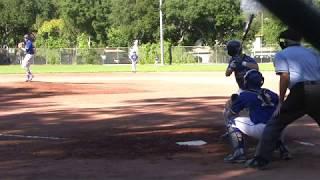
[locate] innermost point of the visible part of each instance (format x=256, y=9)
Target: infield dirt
x=125, y=126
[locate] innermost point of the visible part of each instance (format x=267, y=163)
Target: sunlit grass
x=16, y=69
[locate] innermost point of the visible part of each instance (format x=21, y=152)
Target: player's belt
x=311, y=82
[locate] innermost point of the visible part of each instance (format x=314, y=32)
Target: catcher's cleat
x=257, y=163
x=236, y=157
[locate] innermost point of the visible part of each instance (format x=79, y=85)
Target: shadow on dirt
x=147, y=128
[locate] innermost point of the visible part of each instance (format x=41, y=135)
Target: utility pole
x=161, y=35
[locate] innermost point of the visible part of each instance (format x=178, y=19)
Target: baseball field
x=126, y=126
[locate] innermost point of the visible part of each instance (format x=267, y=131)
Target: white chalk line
x=32, y=137
x=305, y=143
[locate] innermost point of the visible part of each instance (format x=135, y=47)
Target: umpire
x=299, y=71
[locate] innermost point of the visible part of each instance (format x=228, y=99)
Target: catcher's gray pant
x=302, y=99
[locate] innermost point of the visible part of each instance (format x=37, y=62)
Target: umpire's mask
x=288, y=38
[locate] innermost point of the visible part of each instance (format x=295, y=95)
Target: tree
x=87, y=16
x=134, y=19
x=50, y=34
x=118, y=36
x=46, y=10
x=209, y=20
x=17, y=18
x=271, y=28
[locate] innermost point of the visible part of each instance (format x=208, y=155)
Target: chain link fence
x=68, y=56
x=265, y=54
x=199, y=54
x=179, y=55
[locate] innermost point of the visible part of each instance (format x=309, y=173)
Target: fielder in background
x=239, y=63
x=26, y=62
x=299, y=71
x=134, y=60
x=261, y=104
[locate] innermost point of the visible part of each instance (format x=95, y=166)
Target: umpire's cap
x=288, y=38
x=291, y=35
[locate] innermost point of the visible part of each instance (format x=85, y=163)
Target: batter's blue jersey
x=240, y=70
x=260, y=111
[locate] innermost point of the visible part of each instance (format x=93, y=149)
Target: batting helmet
x=288, y=38
x=234, y=47
x=253, y=79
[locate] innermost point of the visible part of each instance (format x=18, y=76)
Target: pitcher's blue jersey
x=260, y=111
x=240, y=70
x=29, y=47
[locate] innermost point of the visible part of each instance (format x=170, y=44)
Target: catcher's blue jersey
x=260, y=108
x=240, y=70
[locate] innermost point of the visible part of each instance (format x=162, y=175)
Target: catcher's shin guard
x=237, y=143
x=235, y=137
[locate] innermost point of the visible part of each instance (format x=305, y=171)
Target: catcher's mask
x=289, y=38
x=234, y=47
x=253, y=79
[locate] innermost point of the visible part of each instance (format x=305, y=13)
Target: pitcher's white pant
x=27, y=61
x=133, y=66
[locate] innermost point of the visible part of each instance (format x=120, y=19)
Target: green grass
x=16, y=69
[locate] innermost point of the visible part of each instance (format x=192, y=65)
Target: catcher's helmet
x=253, y=79
x=288, y=38
x=234, y=47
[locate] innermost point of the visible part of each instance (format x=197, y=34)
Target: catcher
x=261, y=104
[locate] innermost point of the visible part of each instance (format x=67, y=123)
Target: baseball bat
x=247, y=27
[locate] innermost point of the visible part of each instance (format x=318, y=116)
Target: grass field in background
x=16, y=69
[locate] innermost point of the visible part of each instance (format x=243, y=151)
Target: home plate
x=192, y=143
